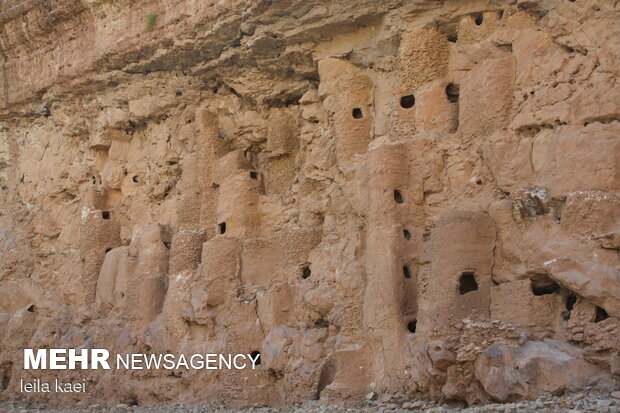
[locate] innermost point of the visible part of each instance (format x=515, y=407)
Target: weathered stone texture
x=387, y=199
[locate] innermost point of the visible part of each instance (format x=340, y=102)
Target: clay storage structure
x=389, y=200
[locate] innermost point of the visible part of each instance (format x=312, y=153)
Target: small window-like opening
x=571, y=300
x=108, y=250
x=411, y=326
x=357, y=113
x=479, y=19
x=479, y=182
x=406, y=272
x=452, y=38
x=452, y=92
x=253, y=175
x=306, y=272
x=601, y=315
x=30, y=308
x=167, y=244
x=255, y=354
x=467, y=283
x=171, y=162
x=406, y=234
x=135, y=179
x=407, y=101
x=221, y=227
x=398, y=197
x=106, y=214
x=178, y=93
x=543, y=285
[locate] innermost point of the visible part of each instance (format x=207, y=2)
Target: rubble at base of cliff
x=581, y=402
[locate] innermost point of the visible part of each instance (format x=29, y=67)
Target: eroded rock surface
x=389, y=200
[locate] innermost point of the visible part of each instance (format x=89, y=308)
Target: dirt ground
x=574, y=403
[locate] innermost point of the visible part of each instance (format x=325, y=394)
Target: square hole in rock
x=467, y=283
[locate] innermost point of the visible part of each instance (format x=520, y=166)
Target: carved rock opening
x=398, y=197
x=467, y=283
x=407, y=101
x=412, y=326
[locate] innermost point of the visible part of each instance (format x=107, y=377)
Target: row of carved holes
x=543, y=285
x=398, y=198
x=408, y=101
x=467, y=284
x=571, y=300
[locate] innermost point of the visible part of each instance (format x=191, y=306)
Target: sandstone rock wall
x=386, y=199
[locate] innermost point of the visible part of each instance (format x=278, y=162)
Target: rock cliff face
x=387, y=199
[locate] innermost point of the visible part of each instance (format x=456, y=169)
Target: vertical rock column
x=211, y=145
x=383, y=301
x=185, y=258
x=237, y=204
x=148, y=284
x=421, y=103
x=348, y=94
x=99, y=233
x=461, y=264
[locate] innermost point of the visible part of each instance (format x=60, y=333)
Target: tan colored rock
x=422, y=58
x=387, y=200
x=485, y=97
x=508, y=372
x=597, y=163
